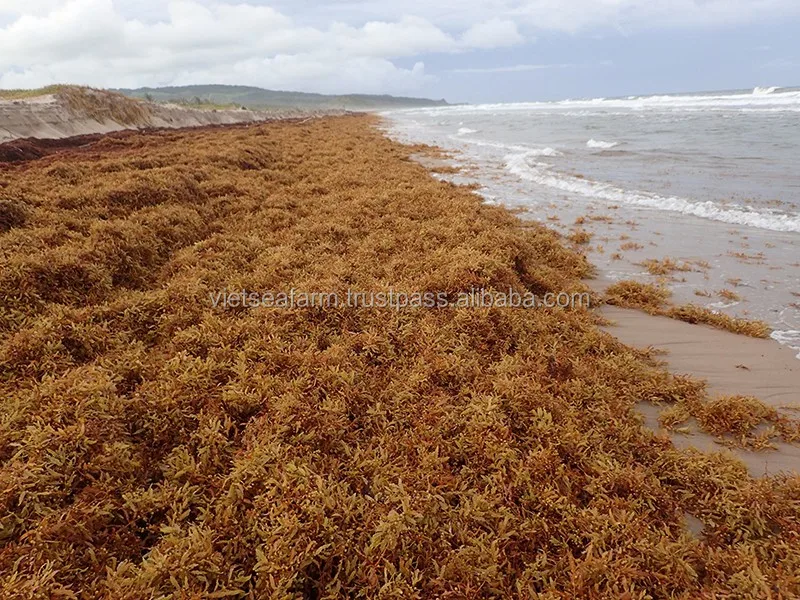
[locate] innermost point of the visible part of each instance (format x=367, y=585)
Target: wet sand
x=730, y=364
x=735, y=270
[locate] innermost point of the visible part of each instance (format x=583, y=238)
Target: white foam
x=601, y=144
x=466, y=131
x=543, y=174
x=760, y=99
x=526, y=150
x=543, y=152
x=760, y=91
x=789, y=338
x=498, y=145
x=717, y=306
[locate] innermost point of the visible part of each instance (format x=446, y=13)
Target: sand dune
x=53, y=116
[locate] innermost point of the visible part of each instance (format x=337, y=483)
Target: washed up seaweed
x=156, y=446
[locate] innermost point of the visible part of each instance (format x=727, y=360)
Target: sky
x=463, y=51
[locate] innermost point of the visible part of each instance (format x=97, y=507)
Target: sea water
x=710, y=177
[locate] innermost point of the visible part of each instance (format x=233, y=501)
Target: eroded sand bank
x=49, y=117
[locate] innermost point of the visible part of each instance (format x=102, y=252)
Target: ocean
x=711, y=179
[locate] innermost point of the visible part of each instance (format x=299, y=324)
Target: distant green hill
x=254, y=97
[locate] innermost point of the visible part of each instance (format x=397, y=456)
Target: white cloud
x=92, y=42
x=577, y=15
x=513, y=68
x=408, y=37
x=351, y=45
x=495, y=33
x=15, y=7
x=81, y=27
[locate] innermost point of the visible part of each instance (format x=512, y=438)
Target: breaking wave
x=789, y=338
x=771, y=99
x=601, y=144
x=760, y=91
x=525, y=150
x=543, y=174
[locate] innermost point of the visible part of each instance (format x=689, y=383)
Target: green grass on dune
x=35, y=93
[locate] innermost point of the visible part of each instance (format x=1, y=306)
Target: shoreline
x=731, y=364
x=162, y=447
x=737, y=270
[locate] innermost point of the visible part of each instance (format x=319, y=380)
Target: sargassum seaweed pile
x=153, y=446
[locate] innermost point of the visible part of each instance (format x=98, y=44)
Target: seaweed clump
x=156, y=445
x=653, y=299
x=736, y=420
x=11, y=215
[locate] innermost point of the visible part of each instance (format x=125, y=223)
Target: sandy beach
x=156, y=443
